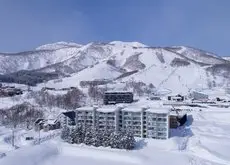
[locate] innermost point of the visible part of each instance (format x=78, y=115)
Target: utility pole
x=39, y=135
x=14, y=126
x=13, y=137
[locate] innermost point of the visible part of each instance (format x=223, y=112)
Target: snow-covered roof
x=108, y=108
x=177, y=113
x=117, y=91
x=176, y=97
x=132, y=109
x=158, y=110
x=51, y=121
x=86, y=108
x=135, y=108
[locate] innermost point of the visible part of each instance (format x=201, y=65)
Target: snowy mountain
x=176, y=68
x=226, y=58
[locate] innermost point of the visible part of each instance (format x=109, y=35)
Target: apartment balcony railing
x=110, y=118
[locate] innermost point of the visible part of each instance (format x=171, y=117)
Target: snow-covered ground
x=204, y=140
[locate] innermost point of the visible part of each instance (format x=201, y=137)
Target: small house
x=176, y=98
x=177, y=119
x=39, y=124
x=51, y=124
x=198, y=96
x=155, y=98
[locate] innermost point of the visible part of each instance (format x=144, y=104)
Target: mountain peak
x=58, y=45
x=134, y=44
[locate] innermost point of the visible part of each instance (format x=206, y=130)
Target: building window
x=126, y=113
x=111, y=118
x=136, y=118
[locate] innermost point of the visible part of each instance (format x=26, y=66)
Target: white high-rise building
x=156, y=123
x=85, y=116
x=144, y=122
x=132, y=120
x=107, y=118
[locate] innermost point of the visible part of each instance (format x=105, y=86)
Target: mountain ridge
x=163, y=66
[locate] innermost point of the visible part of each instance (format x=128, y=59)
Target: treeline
x=27, y=77
x=21, y=114
x=74, y=98
x=139, y=87
x=94, y=137
x=177, y=62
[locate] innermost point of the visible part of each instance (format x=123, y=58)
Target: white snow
x=107, y=108
x=158, y=110
x=85, y=108
x=58, y=45
x=204, y=140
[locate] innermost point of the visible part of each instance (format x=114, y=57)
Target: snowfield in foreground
x=205, y=140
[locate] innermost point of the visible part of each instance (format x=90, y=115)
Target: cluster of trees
x=94, y=137
x=160, y=57
x=177, y=62
x=27, y=77
x=20, y=114
x=96, y=92
x=139, y=88
x=133, y=62
x=84, y=84
x=74, y=98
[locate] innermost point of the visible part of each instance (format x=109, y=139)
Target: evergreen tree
x=78, y=135
x=105, y=138
x=129, y=142
x=88, y=136
x=115, y=140
x=65, y=133
x=71, y=135
x=96, y=139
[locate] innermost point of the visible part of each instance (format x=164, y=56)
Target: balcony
x=137, y=132
x=110, y=123
x=162, y=115
x=128, y=118
x=102, y=118
x=102, y=123
x=161, y=124
x=110, y=128
x=89, y=118
x=137, y=118
x=136, y=123
x=161, y=119
x=111, y=118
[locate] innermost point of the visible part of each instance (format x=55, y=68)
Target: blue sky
x=205, y=24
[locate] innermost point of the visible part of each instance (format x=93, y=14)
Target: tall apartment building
x=107, y=118
x=132, y=119
x=85, y=116
x=156, y=123
x=103, y=118
x=142, y=121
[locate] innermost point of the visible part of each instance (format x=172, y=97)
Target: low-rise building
x=67, y=118
x=176, y=98
x=117, y=97
x=38, y=124
x=177, y=119
x=198, y=96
